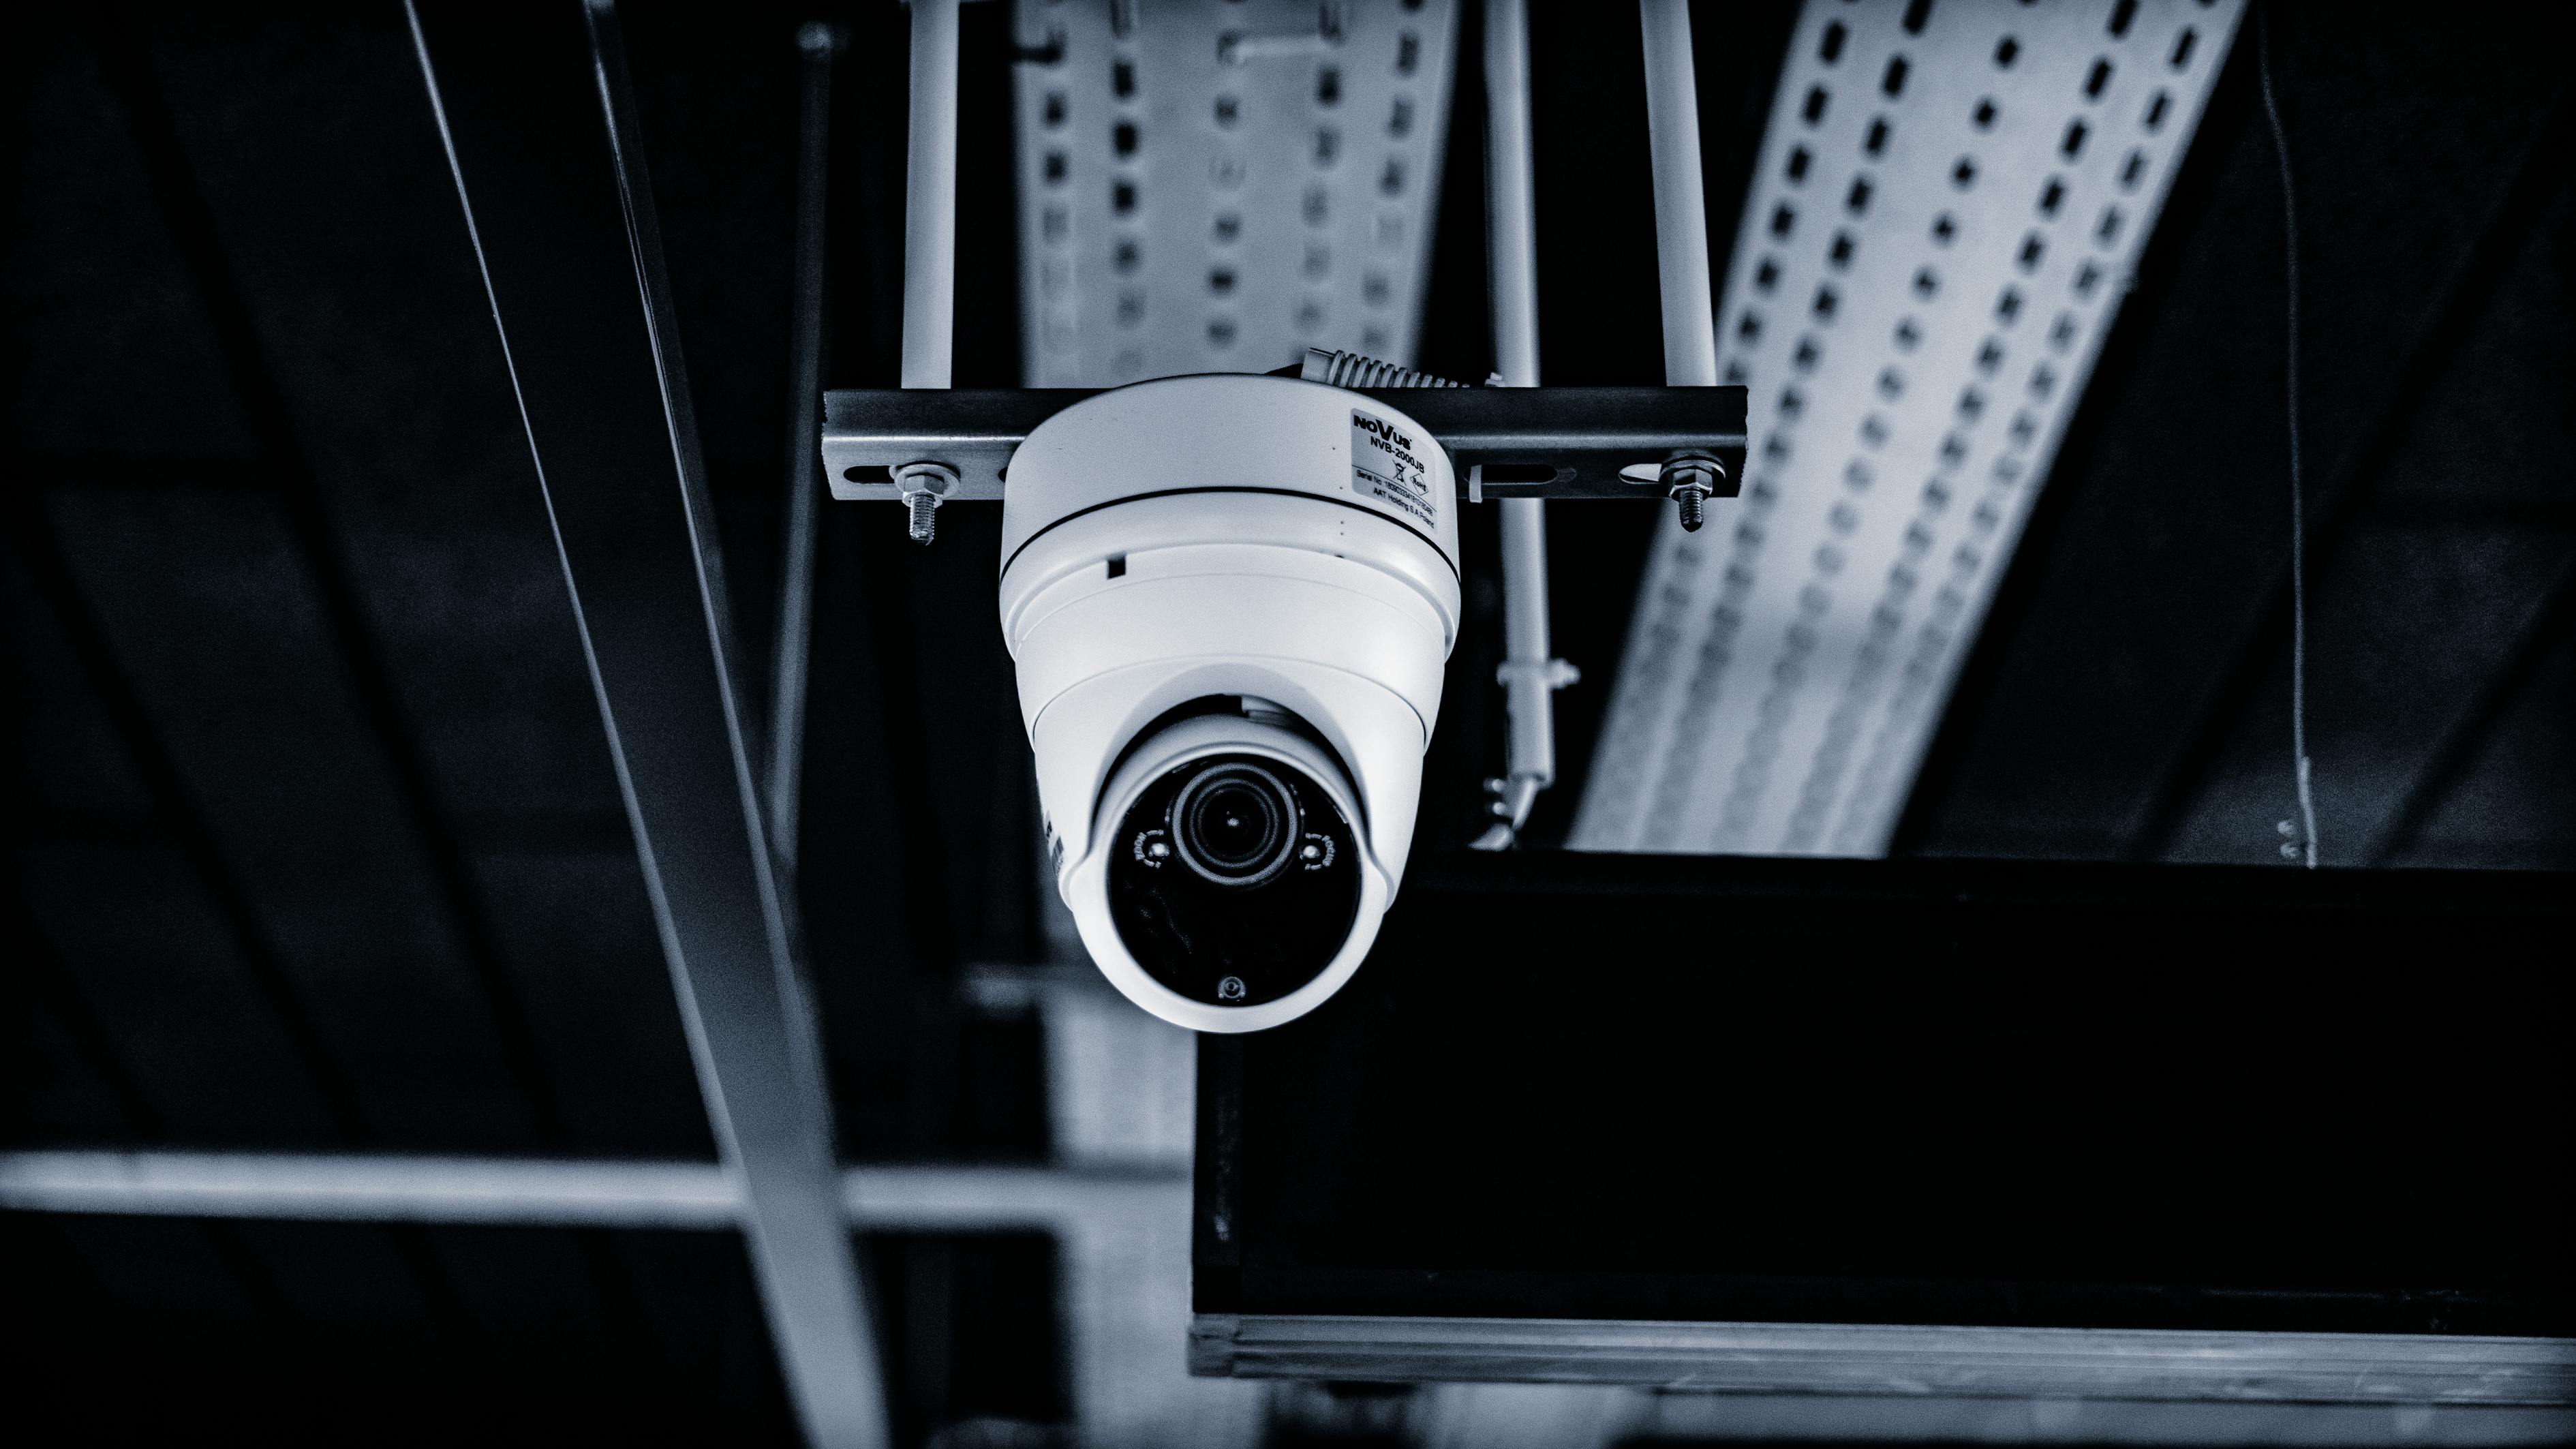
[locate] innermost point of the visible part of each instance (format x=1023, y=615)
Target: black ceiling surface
x=314, y=844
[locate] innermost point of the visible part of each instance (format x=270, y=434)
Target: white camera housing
x=1229, y=599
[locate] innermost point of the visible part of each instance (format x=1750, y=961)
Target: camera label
x=1386, y=465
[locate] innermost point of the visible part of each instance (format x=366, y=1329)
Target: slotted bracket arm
x=1522, y=442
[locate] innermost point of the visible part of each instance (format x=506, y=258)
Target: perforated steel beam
x=1943, y=220
x=542, y=135
x=1215, y=187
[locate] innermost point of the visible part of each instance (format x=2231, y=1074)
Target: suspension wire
x=2307, y=844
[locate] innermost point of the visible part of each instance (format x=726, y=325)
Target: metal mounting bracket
x=1523, y=442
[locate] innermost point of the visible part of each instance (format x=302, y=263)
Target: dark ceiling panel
x=2516, y=786
x=2405, y=621
x=280, y=760
x=332, y=198
x=316, y=1332
x=127, y=940
x=2132, y=648
x=100, y=341
x=599, y=994
x=323, y=226
x=63, y=1077
x=136, y=929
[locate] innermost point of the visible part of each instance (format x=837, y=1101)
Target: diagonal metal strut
x=551, y=174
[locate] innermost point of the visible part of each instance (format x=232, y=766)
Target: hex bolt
x=1689, y=479
x=924, y=485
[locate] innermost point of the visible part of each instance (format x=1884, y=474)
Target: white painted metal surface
x=1530, y=673
x=930, y=198
x=1215, y=187
x=1571, y=1416
x=368, y=1188
x=556, y=1192
x=1845, y=1358
x=1681, y=202
x=1948, y=205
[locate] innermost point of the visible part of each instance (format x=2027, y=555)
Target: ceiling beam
x=1947, y=207
x=305, y=505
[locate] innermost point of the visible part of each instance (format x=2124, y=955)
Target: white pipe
x=1511, y=237
x=556, y=1192
x=930, y=199
x=373, y=1189
x=1681, y=208
x=1528, y=675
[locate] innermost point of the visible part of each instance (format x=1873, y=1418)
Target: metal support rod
x=930, y=199
x=819, y=43
x=1681, y=208
x=555, y=1192
x=559, y=209
x=1529, y=676
x=1511, y=228
x=370, y=1187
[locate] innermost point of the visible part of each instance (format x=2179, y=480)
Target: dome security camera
x=1229, y=599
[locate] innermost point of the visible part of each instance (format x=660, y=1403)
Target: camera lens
x=1236, y=880
x=1235, y=824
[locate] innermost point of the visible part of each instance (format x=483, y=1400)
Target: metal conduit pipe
x=554, y=1192
x=930, y=199
x=1681, y=208
x=1529, y=676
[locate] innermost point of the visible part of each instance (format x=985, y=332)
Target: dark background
x=1937, y=1092
x=312, y=839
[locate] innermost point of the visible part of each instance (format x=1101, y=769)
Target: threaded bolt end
x=923, y=485
x=1690, y=500
x=1689, y=478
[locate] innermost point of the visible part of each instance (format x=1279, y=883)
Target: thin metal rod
x=819, y=43
x=2305, y=847
x=558, y=207
x=930, y=199
x=1681, y=208
x=1528, y=675
x=554, y=1192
